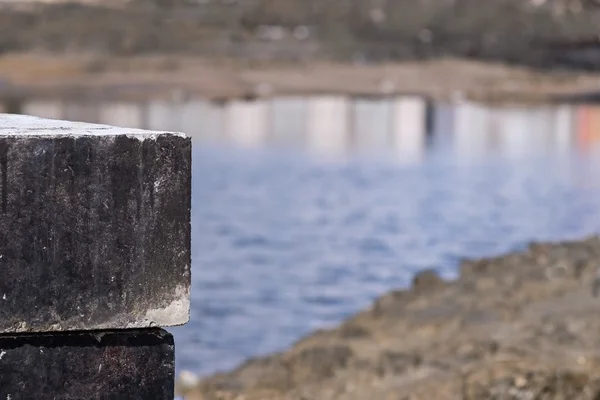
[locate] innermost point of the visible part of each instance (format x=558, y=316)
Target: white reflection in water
x=327, y=125
x=371, y=124
x=209, y=119
x=45, y=109
x=564, y=121
x=87, y=111
x=289, y=117
x=162, y=115
x=442, y=116
x=409, y=128
x=516, y=132
x=247, y=122
x=191, y=119
x=404, y=127
x=471, y=129
x=122, y=113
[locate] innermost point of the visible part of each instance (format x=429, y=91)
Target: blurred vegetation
x=559, y=33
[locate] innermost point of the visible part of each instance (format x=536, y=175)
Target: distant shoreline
x=144, y=77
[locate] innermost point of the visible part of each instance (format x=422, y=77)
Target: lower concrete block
x=130, y=364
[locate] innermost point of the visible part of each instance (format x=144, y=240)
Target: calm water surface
x=304, y=212
x=286, y=242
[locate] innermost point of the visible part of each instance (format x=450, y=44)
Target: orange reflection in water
x=588, y=126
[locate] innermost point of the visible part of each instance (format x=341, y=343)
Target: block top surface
x=27, y=125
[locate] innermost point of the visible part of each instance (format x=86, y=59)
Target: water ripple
x=284, y=245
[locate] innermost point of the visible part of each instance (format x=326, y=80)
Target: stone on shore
x=519, y=326
x=94, y=226
x=131, y=364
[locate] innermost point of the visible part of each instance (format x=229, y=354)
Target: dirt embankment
x=234, y=48
x=519, y=326
x=159, y=76
x=558, y=33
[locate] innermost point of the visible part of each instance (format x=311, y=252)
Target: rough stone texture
x=94, y=226
x=132, y=364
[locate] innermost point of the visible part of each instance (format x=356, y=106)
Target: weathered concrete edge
x=42, y=338
x=37, y=127
x=176, y=313
x=151, y=135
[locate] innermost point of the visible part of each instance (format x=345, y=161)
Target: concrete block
x=132, y=364
x=94, y=226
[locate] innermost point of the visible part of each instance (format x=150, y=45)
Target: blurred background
x=340, y=146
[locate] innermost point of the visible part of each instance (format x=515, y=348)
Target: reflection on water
x=404, y=128
x=247, y=122
x=284, y=243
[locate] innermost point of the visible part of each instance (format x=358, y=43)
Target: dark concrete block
x=130, y=364
x=94, y=226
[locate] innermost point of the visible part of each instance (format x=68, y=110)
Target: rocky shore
x=520, y=326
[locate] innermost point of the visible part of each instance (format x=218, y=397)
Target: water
x=305, y=210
